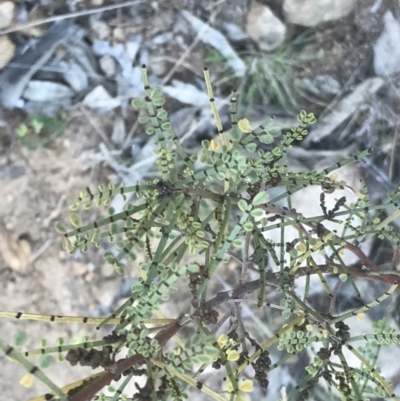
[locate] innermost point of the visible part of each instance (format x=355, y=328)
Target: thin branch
x=278, y=211
x=245, y=255
x=333, y=300
x=389, y=277
x=56, y=18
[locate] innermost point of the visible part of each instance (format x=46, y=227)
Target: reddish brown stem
x=93, y=388
x=395, y=259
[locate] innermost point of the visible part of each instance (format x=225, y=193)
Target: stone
x=107, y=65
x=7, y=50
x=313, y=12
x=158, y=66
x=119, y=35
x=100, y=100
x=15, y=251
x=46, y=91
x=387, y=47
x=264, y=27
x=7, y=9
x=100, y=30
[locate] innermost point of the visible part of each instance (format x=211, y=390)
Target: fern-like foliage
x=215, y=205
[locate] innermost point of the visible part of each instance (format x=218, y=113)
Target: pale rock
x=7, y=9
x=100, y=30
x=264, y=27
x=107, y=65
x=7, y=50
x=158, y=66
x=100, y=100
x=46, y=91
x=387, y=47
x=110, y=55
x=313, y=12
x=119, y=34
x=15, y=251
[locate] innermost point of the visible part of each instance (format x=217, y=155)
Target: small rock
x=119, y=34
x=100, y=30
x=7, y=50
x=108, y=66
x=387, y=47
x=7, y=9
x=15, y=251
x=79, y=268
x=46, y=91
x=100, y=100
x=96, y=2
x=158, y=66
x=264, y=27
x=313, y=12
